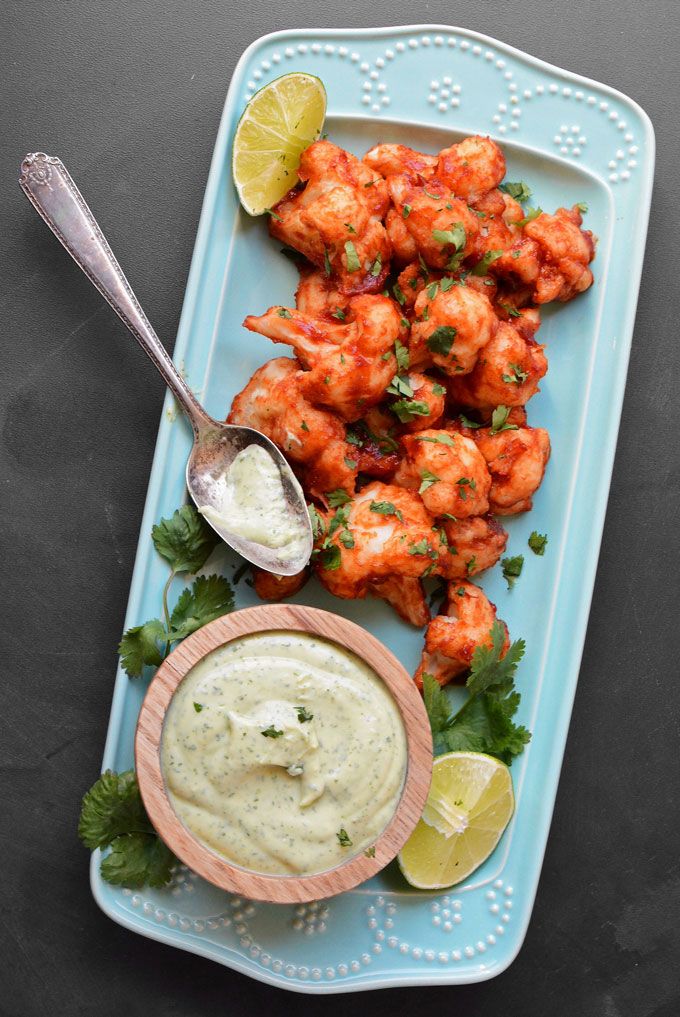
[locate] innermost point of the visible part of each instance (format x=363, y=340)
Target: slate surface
x=129, y=94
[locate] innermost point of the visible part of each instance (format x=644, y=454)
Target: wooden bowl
x=214, y=867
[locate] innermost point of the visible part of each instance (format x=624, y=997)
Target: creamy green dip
x=251, y=503
x=284, y=753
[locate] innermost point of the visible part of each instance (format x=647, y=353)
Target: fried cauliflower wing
x=453, y=324
x=550, y=260
x=384, y=531
x=335, y=218
x=348, y=363
x=475, y=544
x=314, y=438
x=516, y=462
x=448, y=471
x=442, y=226
x=452, y=638
x=471, y=167
x=389, y=160
x=405, y=595
x=507, y=372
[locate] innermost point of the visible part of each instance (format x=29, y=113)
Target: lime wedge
x=469, y=806
x=279, y=122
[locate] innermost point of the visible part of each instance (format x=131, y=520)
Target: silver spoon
x=50, y=189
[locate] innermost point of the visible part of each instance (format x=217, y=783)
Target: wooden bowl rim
x=201, y=858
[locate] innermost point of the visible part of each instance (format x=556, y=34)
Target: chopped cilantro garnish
x=532, y=213
x=428, y=479
x=441, y=439
x=408, y=409
x=271, y=732
x=386, y=508
x=399, y=294
x=499, y=420
x=352, y=258
x=455, y=235
x=537, y=542
x=283, y=312
x=520, y=191
x=342, y=834
x=482, y=265
x=441, y=340
x=337, y=497
x=512, y=569
x=516, y=376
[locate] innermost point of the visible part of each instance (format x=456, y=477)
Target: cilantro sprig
x=186, y=541
x=113, y=816
x=484, y=723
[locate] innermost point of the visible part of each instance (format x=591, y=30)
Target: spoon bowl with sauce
x=238, y=478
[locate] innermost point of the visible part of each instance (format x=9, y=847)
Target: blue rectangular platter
x=572, y=140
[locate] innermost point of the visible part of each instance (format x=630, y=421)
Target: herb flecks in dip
x=251, y=503
x=284, y=753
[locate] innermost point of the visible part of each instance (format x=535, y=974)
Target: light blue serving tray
x=572, y=140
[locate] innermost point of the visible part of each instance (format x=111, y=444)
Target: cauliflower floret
x=452, y=637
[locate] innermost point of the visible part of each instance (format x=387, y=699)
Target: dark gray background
x=130, y=96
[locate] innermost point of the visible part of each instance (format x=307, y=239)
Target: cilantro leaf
x=518, y=190
x=487, y=726
x=400, y=385
x=517, y=375
x=113, y=815
x=386, y=508
x=401, y=353
x=303, y=714
x=337, y=497
x=537, y=542
x=353, y=263
x=318, y=528
x=408, y=409
x=343, y=838
x=206, y=599
x=331, y=558
x=532, y=213
x=139, y=647
x=582, y=206
x=399, y=294
x=482, y=265
x=512, y=569
x=466, y=422
x=442, y=439
x=428, y=479
x=376, y=267
x=456, y=236
x=113, y=806
x=441, y=340
x=138, y=859
x=484, y=723
x=438, y=709
x=488, y=673
x=499, y=419
x=271, y=732
x=185, y=540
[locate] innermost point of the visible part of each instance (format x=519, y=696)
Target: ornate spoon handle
x=49, y=187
